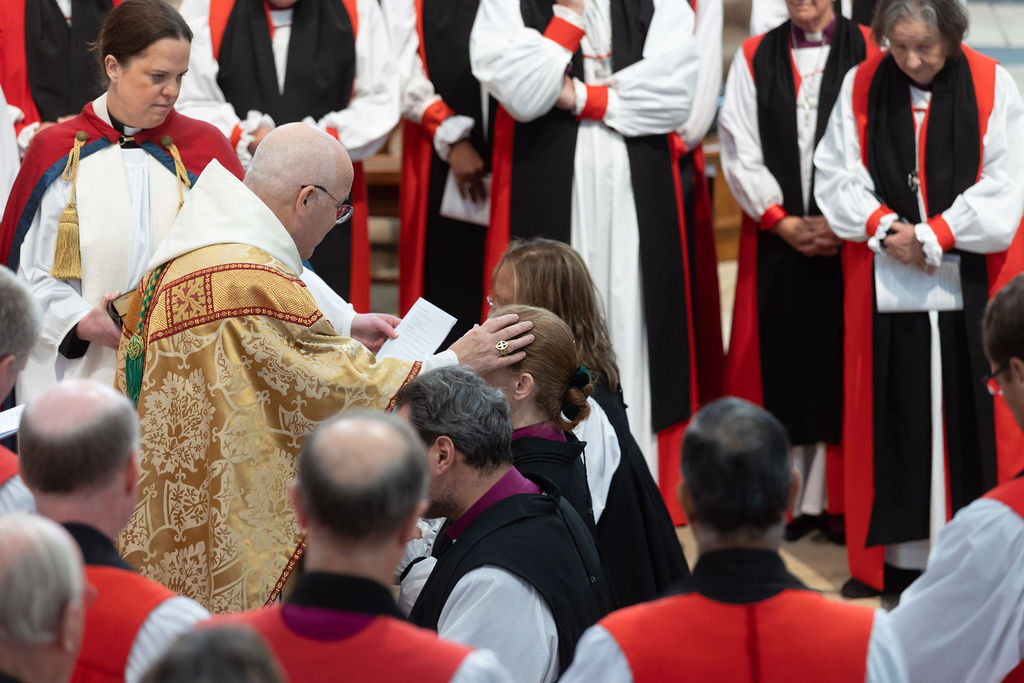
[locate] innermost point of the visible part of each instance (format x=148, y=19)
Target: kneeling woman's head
x=549, y=385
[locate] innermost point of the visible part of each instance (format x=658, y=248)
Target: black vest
x=541, y=540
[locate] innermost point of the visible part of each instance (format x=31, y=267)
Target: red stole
x=125, y=601
x=388, y=650
x=796, y=635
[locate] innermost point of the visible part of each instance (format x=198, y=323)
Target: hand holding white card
x=421, y=331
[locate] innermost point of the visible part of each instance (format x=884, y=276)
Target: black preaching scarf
x=800, y=310
x=452, y=244
x=321, y=61
x=902, y=418
x=62, y=73
x=541, y=191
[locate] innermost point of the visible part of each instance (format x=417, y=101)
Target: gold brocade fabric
x=240, y=365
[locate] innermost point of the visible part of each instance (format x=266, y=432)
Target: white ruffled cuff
x=453, y=129
x=932, y=251
x=875, y=241
x=581, y=96
x=253, y=121
x=25, y=137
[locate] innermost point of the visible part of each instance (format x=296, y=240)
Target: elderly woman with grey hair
x=922, y=169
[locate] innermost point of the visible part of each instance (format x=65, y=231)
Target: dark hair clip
x=580, y=378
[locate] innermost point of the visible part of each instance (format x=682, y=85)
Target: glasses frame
x=343, y=210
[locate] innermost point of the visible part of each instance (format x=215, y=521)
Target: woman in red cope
x=97, y=193
x=786, y=350
x=920, y=169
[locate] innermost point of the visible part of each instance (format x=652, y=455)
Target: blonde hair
x=551, y=275
x=553, y=362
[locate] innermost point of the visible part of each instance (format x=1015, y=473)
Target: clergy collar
x=97, y=549
x=512, y=483
x=802, y=39
x=740, y=576
x=344, y=593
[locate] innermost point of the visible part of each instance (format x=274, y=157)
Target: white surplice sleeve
x=984, y=218
x=168, y=620
x=491, y=608
x=655, y=95
x=963, y=619
x=843, y=188
x=598, y=658
x=739, y=136
x=886, y=661
x=417, y=94
x=364, y=124
x=707, y=33
x=200, y=96
x=766, y=15
x=60, y=300
x=481, y=666
x=519, y=66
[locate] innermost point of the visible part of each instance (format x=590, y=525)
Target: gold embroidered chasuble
x=240, y=365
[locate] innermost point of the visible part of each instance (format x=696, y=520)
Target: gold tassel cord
x=67, y=256
x=179, y=168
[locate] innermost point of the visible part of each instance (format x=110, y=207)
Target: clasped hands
x=809, y=235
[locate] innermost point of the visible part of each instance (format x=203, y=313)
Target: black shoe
x=803, y=525
x=855, y=588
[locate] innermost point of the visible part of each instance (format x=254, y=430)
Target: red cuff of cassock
x=871, y=227
x=333, y=132
x=597, y=102
x=236, y=135
x=772, y=215
x=434, y=115
x=564, y=33
x=942, y=232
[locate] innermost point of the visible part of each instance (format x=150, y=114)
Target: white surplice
x=363, y=125
x=524, y=71
x=707, y=32
x=963, y=619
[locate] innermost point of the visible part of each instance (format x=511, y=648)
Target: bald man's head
x=75, y=436
x=288, y=170
x=361, y=476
